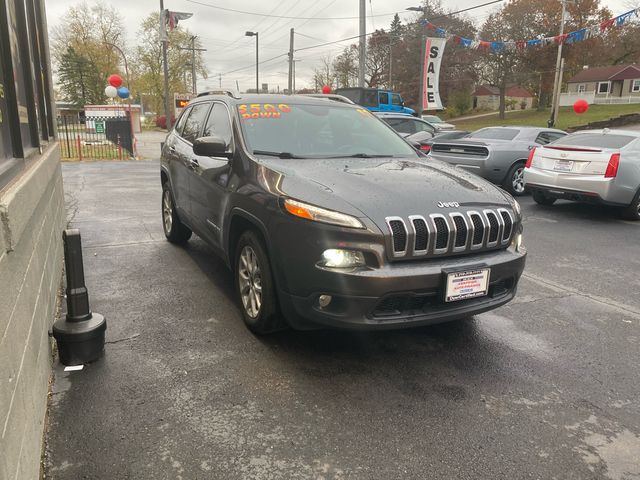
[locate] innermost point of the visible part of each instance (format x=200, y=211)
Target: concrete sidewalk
x=148, y=144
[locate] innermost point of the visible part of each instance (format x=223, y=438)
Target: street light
x=255, y=34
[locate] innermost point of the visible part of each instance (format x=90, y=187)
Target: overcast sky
x=222, y=32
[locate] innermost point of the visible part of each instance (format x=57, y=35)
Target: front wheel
x=515, y=180
x=541, y=199
x=174, y=229
x=255, y=286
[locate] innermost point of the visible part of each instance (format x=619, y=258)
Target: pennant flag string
x=567, y=38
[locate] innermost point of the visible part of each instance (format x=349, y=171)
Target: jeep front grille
x=453, y=233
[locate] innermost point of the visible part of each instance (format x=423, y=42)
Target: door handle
x=172, y=149
x=194, y=163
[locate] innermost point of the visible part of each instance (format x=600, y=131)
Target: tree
x=88, y=31
x=377, y=64
x=148, y=62
x=325, y=74
x=79, y=79
x=345, y=67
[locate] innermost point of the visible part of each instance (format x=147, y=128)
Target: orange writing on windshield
x=263, y=110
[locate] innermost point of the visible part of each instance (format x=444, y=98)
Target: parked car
x=496, y=153
x=376, y=100
x=425, y=139
x=406, y=124
x=438, y=122
x=593, y=166
x=328, y=218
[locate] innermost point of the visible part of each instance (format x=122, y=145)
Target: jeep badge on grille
x=448, y=204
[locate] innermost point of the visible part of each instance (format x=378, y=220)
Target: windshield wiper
x=362, y=155
x=276, y=154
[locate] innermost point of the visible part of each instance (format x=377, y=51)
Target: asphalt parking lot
x=545, y=387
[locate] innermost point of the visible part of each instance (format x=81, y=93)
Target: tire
x=514, y=183
x=255, y=286
x=541, y=199
x=174, y=229
x=632, y=212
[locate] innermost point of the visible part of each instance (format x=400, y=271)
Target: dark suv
x=327, y=217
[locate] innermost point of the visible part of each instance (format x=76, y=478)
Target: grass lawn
x=107, y=151
x=566, y=117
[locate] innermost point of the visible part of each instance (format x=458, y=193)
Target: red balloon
x=580, y=106
x=115, y=80
x=326, y=89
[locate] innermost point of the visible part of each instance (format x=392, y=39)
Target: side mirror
x=211, y=147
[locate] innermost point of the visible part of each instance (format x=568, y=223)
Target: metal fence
x=95, y=138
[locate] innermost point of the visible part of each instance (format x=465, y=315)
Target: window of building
x=603, y=87
x=635, y=85
x=26, y=116
x=582, y=88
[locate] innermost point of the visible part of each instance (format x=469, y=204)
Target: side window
x=402, y=125
x=383, y=98
x=395, y=99
x=180, y=124
x=423, y=127
x=548, y=137
x=195, y=121
x=370, y=99
x=218, y=123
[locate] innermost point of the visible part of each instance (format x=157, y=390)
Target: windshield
x=318, y=131
x=431, y=118
x=595, y=140
x=495, y=133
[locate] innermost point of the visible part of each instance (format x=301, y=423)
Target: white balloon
x=111, y=91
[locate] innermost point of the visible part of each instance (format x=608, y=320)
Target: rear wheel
x=174, y=229
x=541, y=199
x=255, y=286
x=632, y=212
x=514, y=183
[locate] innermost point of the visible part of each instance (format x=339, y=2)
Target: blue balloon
x=123, y=92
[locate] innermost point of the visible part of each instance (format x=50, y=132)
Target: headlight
x=337, y=258
x=516, y=207
x=317, y=214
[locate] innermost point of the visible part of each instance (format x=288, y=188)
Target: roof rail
x=229, y=93
x=329, y=96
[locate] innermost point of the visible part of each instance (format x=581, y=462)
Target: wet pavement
x=545, y=387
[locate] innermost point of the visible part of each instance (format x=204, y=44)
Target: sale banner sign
x=430, y=94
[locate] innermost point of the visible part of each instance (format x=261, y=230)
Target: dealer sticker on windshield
x=467, y=284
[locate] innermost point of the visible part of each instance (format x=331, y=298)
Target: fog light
x=337, y=258
x=517, y=243
x=324, y=300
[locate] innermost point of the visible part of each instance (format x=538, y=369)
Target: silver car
x=595, y=166
x=496, y=153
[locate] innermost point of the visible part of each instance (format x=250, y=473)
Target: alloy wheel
x=250, y=279
x=517, y=182
x=167, y=211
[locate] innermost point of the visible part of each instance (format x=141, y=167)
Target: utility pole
x=556, y=83
x=194, y=75
x=194, y=89
x=363, y=43
x=165, y=67
x=291, y=33
x=220, y=80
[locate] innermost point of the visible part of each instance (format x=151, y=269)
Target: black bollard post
x=80, y=335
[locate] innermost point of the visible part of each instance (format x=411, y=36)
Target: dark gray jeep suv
x=328, y=218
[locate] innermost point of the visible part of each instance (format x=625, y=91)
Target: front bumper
x=580, y=188
x=403, y=294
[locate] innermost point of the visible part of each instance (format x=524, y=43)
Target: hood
x=380, y=188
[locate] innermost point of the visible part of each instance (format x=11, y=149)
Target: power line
x=282, y=16
x=371, y=33
x=253, y=64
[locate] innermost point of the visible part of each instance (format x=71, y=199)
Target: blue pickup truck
x=376, y=100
